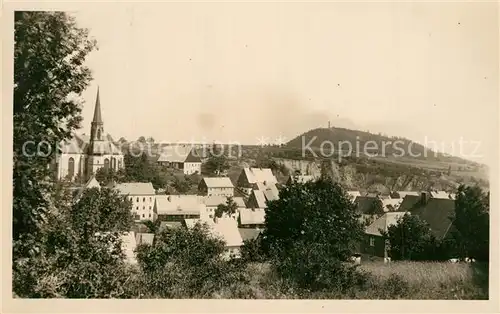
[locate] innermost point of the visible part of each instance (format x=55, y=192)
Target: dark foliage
x=411, y=239
x=311, y=231
x=472, y=223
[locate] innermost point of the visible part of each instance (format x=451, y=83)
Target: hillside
x=382, y=146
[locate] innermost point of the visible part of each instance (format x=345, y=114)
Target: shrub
x=311, y=231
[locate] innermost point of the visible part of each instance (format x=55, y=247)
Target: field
x=396, y=280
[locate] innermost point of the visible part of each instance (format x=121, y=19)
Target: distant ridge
x=383, y=146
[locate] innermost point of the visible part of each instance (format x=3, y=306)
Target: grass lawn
x=396, y=280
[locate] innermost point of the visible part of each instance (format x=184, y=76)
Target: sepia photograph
x=254, y=150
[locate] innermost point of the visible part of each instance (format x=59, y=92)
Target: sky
x=241, y=71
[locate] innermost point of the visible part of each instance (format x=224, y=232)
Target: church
x=82, y=155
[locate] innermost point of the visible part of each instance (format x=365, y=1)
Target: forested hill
x=394, y=146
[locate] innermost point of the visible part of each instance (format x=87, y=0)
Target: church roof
x=97, y=110
x=79, y=143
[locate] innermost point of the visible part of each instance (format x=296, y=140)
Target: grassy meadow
x=396, y=280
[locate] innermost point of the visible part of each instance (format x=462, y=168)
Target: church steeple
x=97, y=126
x=97, y=110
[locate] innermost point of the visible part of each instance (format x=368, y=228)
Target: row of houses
x=433, y=208
x=256, y=185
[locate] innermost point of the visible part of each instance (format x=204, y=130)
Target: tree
x=49, y=55
x=184, y=263
x=471, y=223
x=79, y=253
x=181, y=185
x=252, y=251
x=106, y=176
x=153, y=226
x=141, y=139
x=216, y=165
x=217, y=162
x=229, y=208
x=311, y=231
x=410, y=239
x=377, y=208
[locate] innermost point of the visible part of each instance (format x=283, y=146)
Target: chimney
x=329, y=124
x=425, y=197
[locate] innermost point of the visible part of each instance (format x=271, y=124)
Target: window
x=150, y=199
x=143, y=199
x=150, y=215
x=372, y=241
x=143, y=207
x=211, y=216
x=143, y=215
x=130, y=198
x=106, y=163
x=149, y=207
x=137, y=199
x=137, y=208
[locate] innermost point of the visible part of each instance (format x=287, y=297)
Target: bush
x=187, y=263
x=311, y=232
x=252, y=251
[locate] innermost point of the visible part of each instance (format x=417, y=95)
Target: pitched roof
x=178, y=153
x=91, y=183
x=144, y=238
x=440, y=194
x=260, y=198
x=249, y=216
x=169, y=225
x=193, y=156
x=185, y=204
x=249, y=233
x=409, y=201
x=383, y=223
x=218, y=182
x=106, y=147
x=391, y=204
x=225, y=229
x=271, y=195
x=436, y=212
x=215, y=200
x=353, y=194
x=402, y=194
x=255, y=175
x=135, y=188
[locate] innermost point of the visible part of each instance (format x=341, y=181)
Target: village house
x=81, y=156
x=142, y=195
x=436, y=212
x=252, y=218
x=212, y=202
x=225, y=229
x=373, y=241
x=255, y=179
x=218, y=186
x=250, y=233
x=353, y=194
x=259, y=198
x=179, y=207
x=181, y=157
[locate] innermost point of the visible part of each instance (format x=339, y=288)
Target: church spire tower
x=97, y=126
